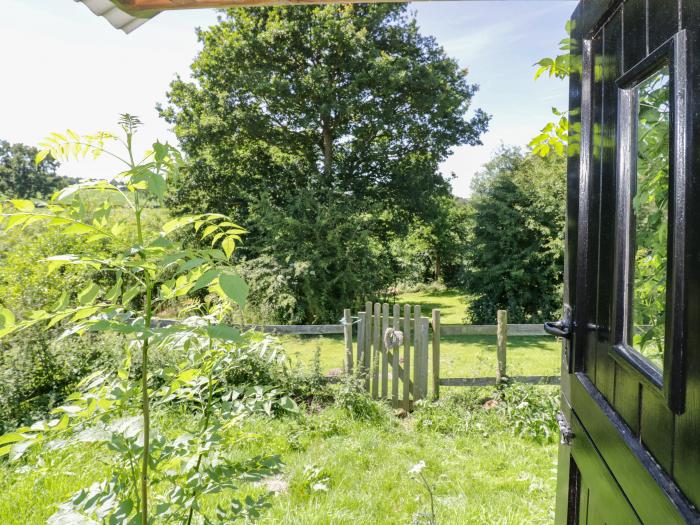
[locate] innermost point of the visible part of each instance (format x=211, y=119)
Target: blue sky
x=63, y=67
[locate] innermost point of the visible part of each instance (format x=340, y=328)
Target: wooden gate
x=390, y=352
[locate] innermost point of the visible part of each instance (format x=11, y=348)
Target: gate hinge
x=566, y=435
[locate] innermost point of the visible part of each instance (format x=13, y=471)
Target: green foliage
x=37, y=373
x=323, y=128
x=433, y=251
x=531, y=410
x=650, y=206
x=323, y=252
x=21, y=177
x=560, y=136
x=515, y=260
x=528, y=411
x=353, y=398
x=148, y=270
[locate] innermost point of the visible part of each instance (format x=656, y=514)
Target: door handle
x=560, y=328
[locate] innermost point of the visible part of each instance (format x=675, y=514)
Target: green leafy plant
x=560, y=135
x=154, y=270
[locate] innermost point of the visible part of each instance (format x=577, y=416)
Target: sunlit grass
x=460, y=356
x=481, y=473
x=452, y=304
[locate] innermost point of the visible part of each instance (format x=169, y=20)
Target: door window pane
x=650, y=211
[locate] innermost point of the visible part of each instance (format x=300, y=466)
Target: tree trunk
x=327, y=148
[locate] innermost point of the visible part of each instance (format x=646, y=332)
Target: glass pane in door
x=650, y=211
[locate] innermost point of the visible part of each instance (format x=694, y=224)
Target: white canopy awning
x=117, y=17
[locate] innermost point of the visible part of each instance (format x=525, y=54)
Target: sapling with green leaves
x=146, y=270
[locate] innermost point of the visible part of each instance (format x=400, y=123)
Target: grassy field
x=480, y=471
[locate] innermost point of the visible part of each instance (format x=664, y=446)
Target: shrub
x=37, y=372
x=532, y=411
x=351, y=396
x=271, y=298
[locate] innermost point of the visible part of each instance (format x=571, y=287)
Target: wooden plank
x=417, y=360
x=491, y=381
x=361, y=319
x=400, y=372
x=627, y=397
x=491, y=329
x=347, y=326
x=368, y=343
x=385, y=357
x=502, y=343
x=656, y=426
x=395, y=361
x=287, y=329
x=436, y=353
x=406, y=356
x=635, y=25
x=686, y=454
x=376, y=349
x=424, y=342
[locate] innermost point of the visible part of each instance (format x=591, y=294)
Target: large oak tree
x=344, y=107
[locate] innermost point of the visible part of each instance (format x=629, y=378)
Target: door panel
x=601, y=501
x=635, y=441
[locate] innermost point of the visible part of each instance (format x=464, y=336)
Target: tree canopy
x=20, y=177
x=319, y=116
x=515, y=255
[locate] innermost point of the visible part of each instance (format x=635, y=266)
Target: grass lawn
x=460, y=356
x=452, y=304
x=481, y=472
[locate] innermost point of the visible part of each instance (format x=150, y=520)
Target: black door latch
x=562, y=328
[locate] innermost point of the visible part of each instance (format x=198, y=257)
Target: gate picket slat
x=376, y=350
x=385, y=357
x=417, y=358
x=406, y=356
x=359, y=364
x=395, y=361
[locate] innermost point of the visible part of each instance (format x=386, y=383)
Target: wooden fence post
x=436, y=354
x=417, y=358
x=406, y=357
x=359, y=364
x=377, y=348
x=385, y=351
x=395, y=360
x=368, y=343
x=347, y=331
x=425, y=356
x=502, y=342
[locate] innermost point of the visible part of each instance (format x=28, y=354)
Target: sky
x=65, y=68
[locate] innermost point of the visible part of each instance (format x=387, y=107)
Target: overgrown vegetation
x=350, y=469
